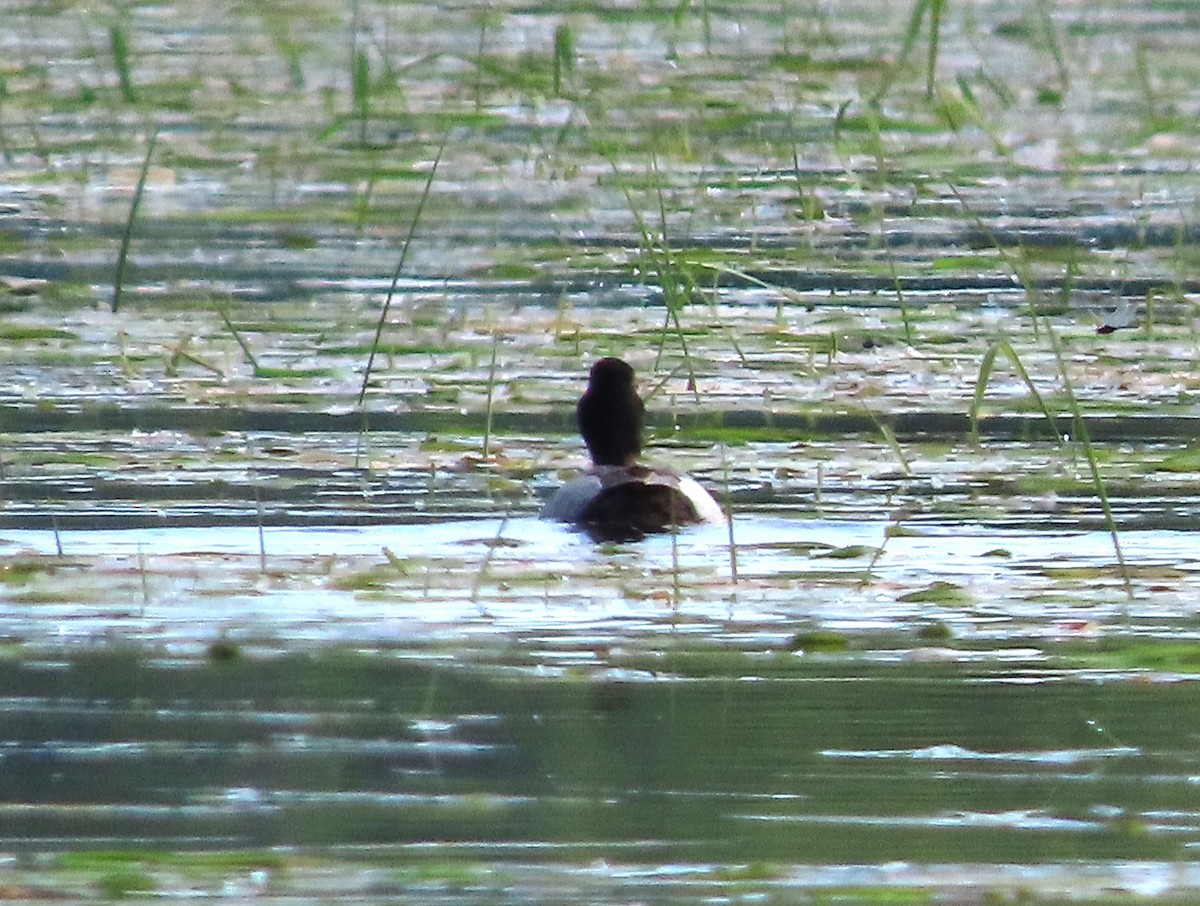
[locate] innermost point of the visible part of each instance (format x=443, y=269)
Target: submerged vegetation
x=297, y=300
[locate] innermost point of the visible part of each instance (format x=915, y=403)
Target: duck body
x=646, y=500
x=619, y=498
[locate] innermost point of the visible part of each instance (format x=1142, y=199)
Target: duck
x=619, y=498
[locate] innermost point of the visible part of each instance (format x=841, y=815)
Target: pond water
x=277, y=617
x=469, y=708
x=185, y=588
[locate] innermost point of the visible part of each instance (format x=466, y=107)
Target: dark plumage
x=639, y=505
x=618, y=499
x=611, y=415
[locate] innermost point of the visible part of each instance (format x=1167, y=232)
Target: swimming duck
x=618, y=498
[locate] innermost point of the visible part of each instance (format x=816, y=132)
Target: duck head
x=619, y=499
x=611, y=415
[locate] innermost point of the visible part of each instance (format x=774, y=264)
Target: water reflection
x=500, y=577
x=337, y=749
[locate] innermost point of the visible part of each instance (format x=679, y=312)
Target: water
x=402, y=758
x=514, y=577
x=505, y=693
x=257, y=640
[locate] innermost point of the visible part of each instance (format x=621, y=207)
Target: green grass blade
x=911, y=34
x=477, y=585
x=360, y=91
x=900, y=299
x=391, y=293
x=889, y=438
x=1023, y=271
x=119, y=46
x=915, y=18
x=936, y=9
x=1019, y=367
x=491, y=387
x=1084, y=439
x=981, y=381
x=127, y=234
x=251, y=359
x=564, y=56
x=986, y=366
x=674, y=281
x=1050, y=34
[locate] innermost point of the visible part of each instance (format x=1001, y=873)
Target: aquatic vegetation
x=119, y=45
x=412, y=228
x=933, y=10
x=939, y=592
x=271, y=582
x=125, y=883
x=936, y=631
x=223, y=650
x=819, y=641
x=849, y=552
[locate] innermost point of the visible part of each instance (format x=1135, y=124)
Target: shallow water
x=508, y=578
x=505, y=693
x=398, y=758
x=333, y=648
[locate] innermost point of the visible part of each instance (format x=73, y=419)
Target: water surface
x=259, y=638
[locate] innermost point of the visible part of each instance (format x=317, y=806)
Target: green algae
x=1132, y=653
x=819, y=641
x=939, y=592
